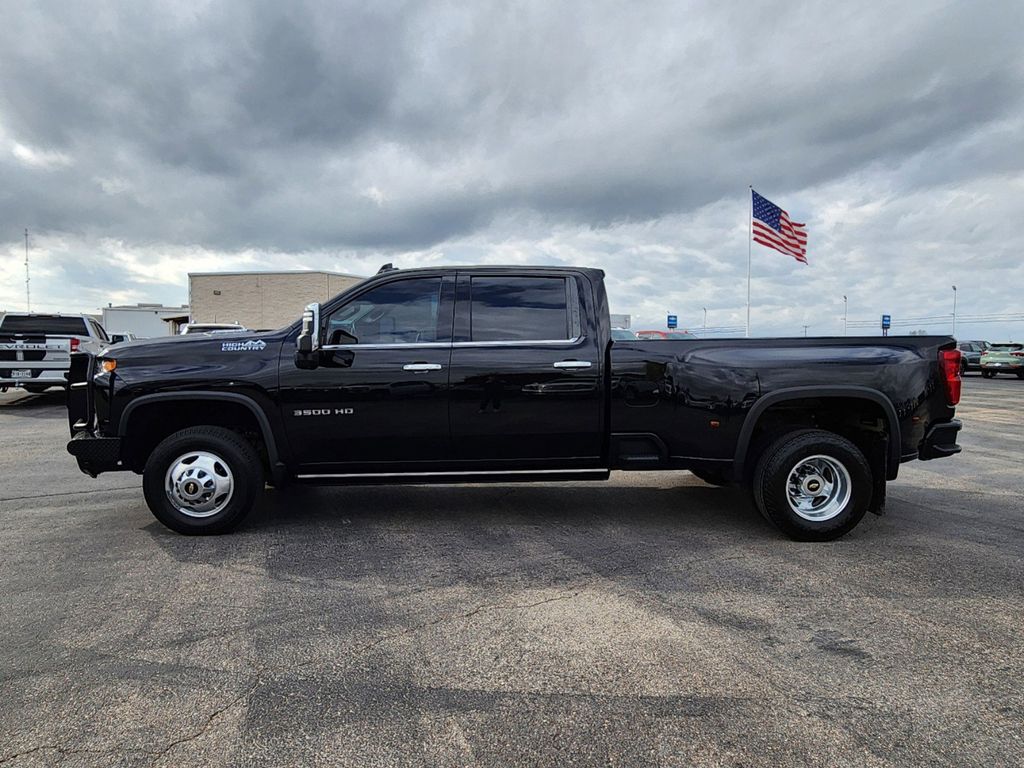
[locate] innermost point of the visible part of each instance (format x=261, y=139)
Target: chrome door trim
x=572, y=365
x=421, y=367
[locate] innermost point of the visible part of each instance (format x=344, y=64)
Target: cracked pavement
x=649, y=621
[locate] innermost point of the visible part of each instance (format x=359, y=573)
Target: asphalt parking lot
x=652, y=620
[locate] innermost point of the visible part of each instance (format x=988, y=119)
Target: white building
x=144, y=320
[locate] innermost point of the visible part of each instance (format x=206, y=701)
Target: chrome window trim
x=396, y=345
x=521, y=342
x=448, y=344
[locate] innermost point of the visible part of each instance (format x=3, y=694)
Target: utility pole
x=845, y=313
x=28, y=295
x=705, y=326
x=954, y=311
x=805, y=330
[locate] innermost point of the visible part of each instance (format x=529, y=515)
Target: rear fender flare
x=802, y=393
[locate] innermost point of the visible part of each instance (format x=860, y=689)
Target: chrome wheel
x=199, y=484
x=818, y=488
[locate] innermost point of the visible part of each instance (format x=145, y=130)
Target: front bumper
x=95, y=453
x=940, y=441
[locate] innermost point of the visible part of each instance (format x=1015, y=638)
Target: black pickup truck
x=508, y=373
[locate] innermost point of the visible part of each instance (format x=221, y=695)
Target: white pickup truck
x=35, y=349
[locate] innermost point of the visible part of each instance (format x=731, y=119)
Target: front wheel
x=202, y=480
x=814, y=485
x=988, y=374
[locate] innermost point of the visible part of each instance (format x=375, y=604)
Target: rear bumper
x=52, y=377
x=96, y=454
x=940, y=441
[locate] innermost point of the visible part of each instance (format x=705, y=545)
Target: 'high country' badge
x=253, y=345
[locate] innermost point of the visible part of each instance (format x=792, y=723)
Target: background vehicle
x=35, y=348
x=623, y=334
x=665, y=335
x=501, y=374
x=970, y=355
x=117, y=338
x=1003, y=358
x=188, y=328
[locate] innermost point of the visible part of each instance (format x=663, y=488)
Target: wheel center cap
x=191, y=488
x=812, y=485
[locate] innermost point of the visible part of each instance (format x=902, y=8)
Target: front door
x=378, y=400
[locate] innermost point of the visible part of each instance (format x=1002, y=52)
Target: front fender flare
x=267, y=432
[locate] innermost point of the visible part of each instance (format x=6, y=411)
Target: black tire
x=989, y=374
x=1020, y=374
x=770, y=483
x=235, y=455
x=712, y=476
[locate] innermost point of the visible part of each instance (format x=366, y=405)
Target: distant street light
x=954, y=311
x=845, y=314
x=805, y=330
x=705, y=326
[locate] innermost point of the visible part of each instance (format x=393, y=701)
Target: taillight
x=949, y=360
x=74, y=344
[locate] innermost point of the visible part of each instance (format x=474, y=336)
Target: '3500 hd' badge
x=253, y=345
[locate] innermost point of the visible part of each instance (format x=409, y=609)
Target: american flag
x=772, y=227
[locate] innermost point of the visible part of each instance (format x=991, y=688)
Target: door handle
x=421, y=367
x=573, y=364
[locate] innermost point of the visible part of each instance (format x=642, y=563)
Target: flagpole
x=750, y=237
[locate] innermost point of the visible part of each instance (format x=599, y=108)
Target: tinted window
x=518, y=309
x=58, y=326
x=97, y=331
x=402, y=312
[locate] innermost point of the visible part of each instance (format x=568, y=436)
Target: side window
x=401, y=312
x=520, y=309
x=98, y=331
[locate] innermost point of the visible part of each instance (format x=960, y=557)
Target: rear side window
x=98, y=331
x=48, y=324
x=520, y=309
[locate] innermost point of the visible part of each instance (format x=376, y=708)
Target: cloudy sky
x=140, y=141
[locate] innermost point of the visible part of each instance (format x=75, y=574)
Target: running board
x=478, y=476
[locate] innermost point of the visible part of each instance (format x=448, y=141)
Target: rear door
x=526, y=372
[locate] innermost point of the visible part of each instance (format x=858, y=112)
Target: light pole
x=705, y=326
x=954, y=311
x=805, y=330
x=845, y=315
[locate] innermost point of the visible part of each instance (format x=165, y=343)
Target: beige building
x=260, y=300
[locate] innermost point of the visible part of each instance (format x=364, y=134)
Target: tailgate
x=44, y=357
x=81, y=411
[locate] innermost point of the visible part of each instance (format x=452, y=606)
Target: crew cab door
x=526, y=372
x=378, y=400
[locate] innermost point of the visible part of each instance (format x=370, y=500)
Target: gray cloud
x=359, y=129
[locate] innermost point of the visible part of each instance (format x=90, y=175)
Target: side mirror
x=309, y=337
